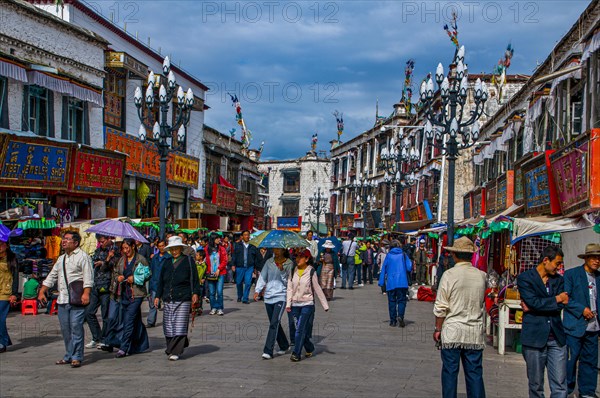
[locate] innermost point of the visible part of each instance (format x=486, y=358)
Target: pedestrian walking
x=130, y=294
x=73, y=266
x=179, y=289
x=381, y=254
x=244, y=260
x=156, y=265
x=581, y=323
x=543, y=337
x=330, y=262
x=421, y=263
x=302, y=288
x=348, y=252
x=216, y=269
x=368, y=260
x=9, y=284
x=394, y=276
x=104, y=259
x=272, y=286
x=458, y=311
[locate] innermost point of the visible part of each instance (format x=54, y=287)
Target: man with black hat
x=458, y=311
x=581, y=323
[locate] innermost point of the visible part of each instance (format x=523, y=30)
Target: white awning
x=13, y=71
x=536, y=226
x=592, y=46
x=65, y=86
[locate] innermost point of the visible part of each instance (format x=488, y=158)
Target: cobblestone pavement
x=357, y=354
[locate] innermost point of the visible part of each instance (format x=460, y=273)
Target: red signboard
x=97, y=172
x=224, y=197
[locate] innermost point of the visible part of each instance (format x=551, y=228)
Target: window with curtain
x=232, y=174
x=39, y=110
x=76, y=123
x=291, y=209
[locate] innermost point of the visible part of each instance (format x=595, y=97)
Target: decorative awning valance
x=13, y=70
x=65, y=85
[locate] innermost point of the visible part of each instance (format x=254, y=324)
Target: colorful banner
x=144, y=160
x=224, y=198
x=97, y=172
x=571, y=169
x=34, y=163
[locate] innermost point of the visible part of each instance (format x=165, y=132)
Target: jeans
x=101, y=300
x=243, y=280
x=397, y=303
x=348, y=275
x=422, y=273
x=71, y=325
x=367, y=270
x=292, y=327
x=358, y=273
x=583, y=350
x=4, y=337
x=216, y=293
x=472, y=368
x=554, y=357
x=274, y=312
x=303, y=317
x=152, y=310
x=132, y=322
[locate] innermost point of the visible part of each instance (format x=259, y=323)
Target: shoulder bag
x=75, y=288
x=344, y=257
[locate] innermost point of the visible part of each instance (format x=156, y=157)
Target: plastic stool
x=29, y=307
x=54, y=307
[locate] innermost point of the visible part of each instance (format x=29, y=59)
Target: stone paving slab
x=357, y=354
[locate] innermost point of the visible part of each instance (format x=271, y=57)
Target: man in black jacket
x=244, y=260
x=542, y=336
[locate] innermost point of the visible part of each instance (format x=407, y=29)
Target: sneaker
x=220, y=312
x=174, y=358
x=120, y=354
x=393, y=324
x=401, y=322
x=361, y=285
x=92, y=344
x=266, y=356
x=309, y=354
x=282, y=352
x=294, y=358
x=212, y=312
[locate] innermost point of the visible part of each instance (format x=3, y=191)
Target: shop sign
x=538, y=186
x=203, y=208
x=98, y=172
x=574, y=167
x=288, y=222
x=224, y=197
x=34, y=163
x=490, y=202
x=243, y=202
x=144, y=160
x=467, y=205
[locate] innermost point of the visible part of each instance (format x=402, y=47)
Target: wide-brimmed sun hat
x=328, y=245
x=462, y=245
x=175, y=241
x=591, y=249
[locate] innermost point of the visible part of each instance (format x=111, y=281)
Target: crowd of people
x=560, y=326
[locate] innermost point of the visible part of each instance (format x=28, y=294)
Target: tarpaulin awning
x=322, y=228
x=410, y=225
x=37, y=224
x=536, y=226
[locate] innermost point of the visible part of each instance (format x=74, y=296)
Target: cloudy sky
x=293, y=63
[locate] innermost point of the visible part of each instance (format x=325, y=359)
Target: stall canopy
x=524, y=228
x=410, y=225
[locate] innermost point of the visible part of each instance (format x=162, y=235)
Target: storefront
x=141, y=198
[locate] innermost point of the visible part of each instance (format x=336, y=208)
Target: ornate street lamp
x=162, y=132
x=364, y=198
x=451, y=134
x=400, y=162
x=318, y=206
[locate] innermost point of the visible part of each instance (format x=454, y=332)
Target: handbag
x=75, y=288
x=141, y=274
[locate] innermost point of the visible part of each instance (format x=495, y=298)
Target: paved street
x=357, y=354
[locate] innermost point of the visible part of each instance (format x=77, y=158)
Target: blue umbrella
x=336, y=242
x=278, y=239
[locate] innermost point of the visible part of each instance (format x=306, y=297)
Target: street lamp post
x=448, y=122
x=363, y=189
x=318, y=206
x=399, y=160
x=162, y=132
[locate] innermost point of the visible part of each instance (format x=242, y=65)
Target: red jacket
x=222, y=260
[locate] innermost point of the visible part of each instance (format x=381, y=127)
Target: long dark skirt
x=137, y=337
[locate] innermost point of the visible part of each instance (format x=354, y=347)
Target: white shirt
x=349, y=248
x=79, y=267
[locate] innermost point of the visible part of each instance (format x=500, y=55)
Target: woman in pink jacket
x=303, y=286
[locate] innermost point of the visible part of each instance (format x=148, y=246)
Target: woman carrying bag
x=179, y=289
x=129, y=289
